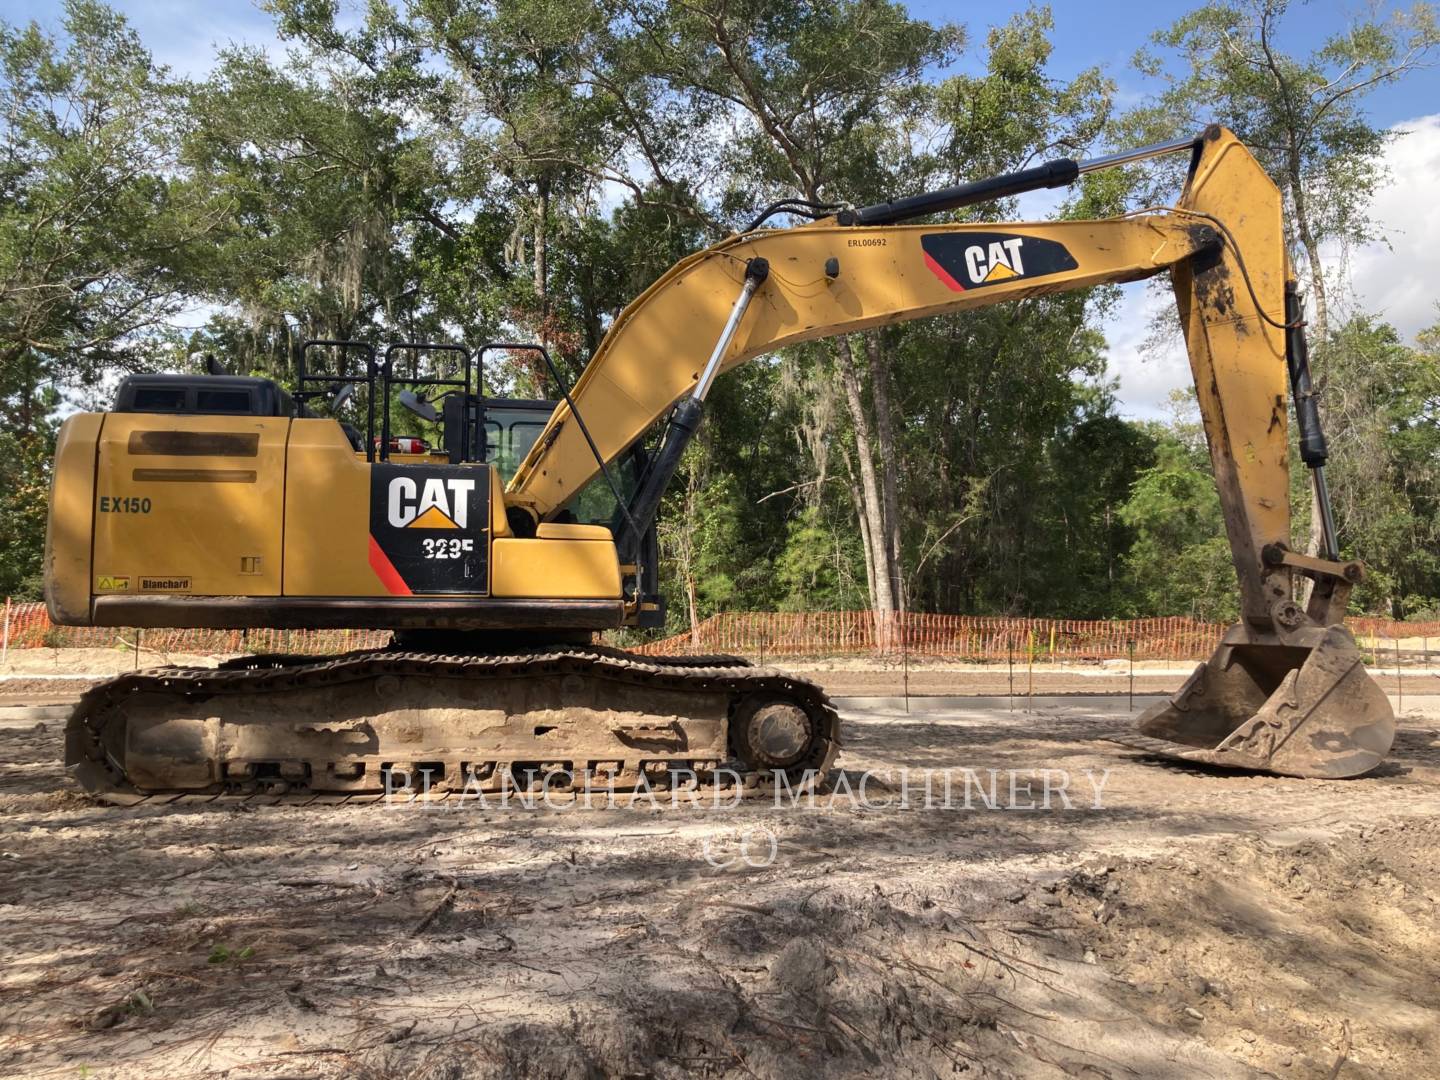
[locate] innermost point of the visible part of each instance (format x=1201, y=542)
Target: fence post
x=5, y=650
x=904, y=661
x=1132, y=674
x=1010, y=644
x=1030, y=667
x=1399, y=681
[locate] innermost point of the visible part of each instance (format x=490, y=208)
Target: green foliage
x=1179, y=563
x=95, y=234
x=817, y=106
x=1385, y=475
x=26, y=447
x=821, y=566
x=330, y=204
x=997, y=118
x=225, y=954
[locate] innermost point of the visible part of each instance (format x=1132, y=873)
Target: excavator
x=497, y=555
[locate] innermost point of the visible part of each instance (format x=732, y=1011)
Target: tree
x=522, y=61
x=1180, y=561
x=98, y=236
x=990, y=396
x=314, y=190
x=25, y=451
x=1302, y=116
x=1386, y=466
x=96, y=233
x=809, y=116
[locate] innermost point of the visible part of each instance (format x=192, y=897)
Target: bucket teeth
x=1296, y=710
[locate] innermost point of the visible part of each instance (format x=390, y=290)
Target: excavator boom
x=823, y=280
x=1287, y=690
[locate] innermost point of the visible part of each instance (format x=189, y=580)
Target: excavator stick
x=1302, y=709
x=1287, y=691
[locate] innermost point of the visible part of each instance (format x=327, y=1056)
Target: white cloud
x=1147, y=374
x=1397, y=280
x=179, y=37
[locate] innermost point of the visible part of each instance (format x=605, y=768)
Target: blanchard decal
x=112, y=584
x=966, y=261
x=429, y=528
x=164, y=584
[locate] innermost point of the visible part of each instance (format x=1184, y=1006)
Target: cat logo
x=438, y=504
x=999, y=260
x=112, y=584
x=429, y=529
x=970, y=260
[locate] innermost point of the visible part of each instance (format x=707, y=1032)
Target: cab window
x=160, y=399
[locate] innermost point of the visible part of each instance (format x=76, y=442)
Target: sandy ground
x=1193, y=922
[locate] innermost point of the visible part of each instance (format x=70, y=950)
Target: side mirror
x=419, y=406
x=341, y=397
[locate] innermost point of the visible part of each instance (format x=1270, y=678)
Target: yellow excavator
x=496, y=556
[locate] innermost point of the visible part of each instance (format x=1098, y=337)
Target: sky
x=1395, y=277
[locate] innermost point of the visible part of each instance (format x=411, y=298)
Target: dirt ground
x=1153, y=920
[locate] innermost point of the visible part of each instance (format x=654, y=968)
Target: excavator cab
x=466, y=427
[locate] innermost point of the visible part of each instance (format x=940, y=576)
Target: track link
x=366, y=726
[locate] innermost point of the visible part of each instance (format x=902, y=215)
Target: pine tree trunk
x=880, y=388
x=694, y=617
x=882, y=596
x=29, y=388
x=857, y=500
x=1319, y=338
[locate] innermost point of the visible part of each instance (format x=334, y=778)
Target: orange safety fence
x=992, y=637
x=28, y=626
x=779, y=634
x=971, y=637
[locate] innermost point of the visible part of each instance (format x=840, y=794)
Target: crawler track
x=564, y=721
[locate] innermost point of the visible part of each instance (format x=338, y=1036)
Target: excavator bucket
x=1307, y=710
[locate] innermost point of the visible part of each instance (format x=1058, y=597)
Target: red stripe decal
x=939, y=271
x=386, y=572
